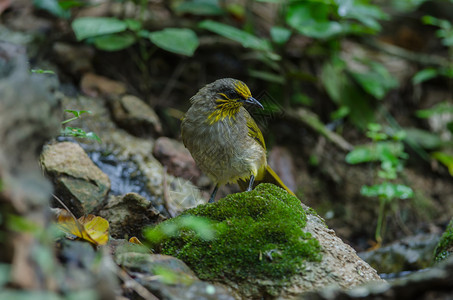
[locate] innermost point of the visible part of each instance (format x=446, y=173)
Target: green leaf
x=344, y=92
x=267, y=76
x=53, y=7
x=438, y=109
x=388, y=191
x=133, y=24
x=363, y=12
x=235, y=9
x=374, y=152
x=399, y=135
x=430, y=20
x=423, y=138
x=93, y=136
x=377, y=136
x=199, y=8
x=177, y=40
x=87, y=27
x=424, y=75
x=21, y=224
x=301, y=98
x=312, y=19
x=79, y=133
x=377, y=81
x=244, y=38
x=406, y=6
x=445, y=159
x=77, y=113
x=114, y=42
x=41, y=71
x=280, y=35
x=202, y=227
x=374, y=127
x=340, y=113
x=68, y=4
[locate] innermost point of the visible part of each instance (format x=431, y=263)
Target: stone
x=95, y=85
x=28, y=118
x=169, y=278
x=78, y=181
x=267, y=245
x=408, y=254
x=129, y=214
x=433, y=283
x=75, y=60
x=135, y=116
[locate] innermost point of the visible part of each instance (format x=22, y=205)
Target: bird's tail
x=268, y=176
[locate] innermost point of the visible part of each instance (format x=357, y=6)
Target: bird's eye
x=229, y=95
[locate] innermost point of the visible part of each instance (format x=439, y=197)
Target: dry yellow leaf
x=91, y=228
x=135, y=240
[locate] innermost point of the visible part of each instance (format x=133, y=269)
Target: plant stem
x=377, y=235
x=69, y=120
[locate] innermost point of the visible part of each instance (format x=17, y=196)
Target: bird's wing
x=254, y=131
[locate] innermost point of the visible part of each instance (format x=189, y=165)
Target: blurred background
x=358, y=103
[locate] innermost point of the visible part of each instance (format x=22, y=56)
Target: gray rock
x=75, y=60
x=28, y=116
x=129, y=214
x=135, y=116
x=169, y=278
x=78, y=181
x=340, y=264
x=340, y=268
x=408, y=254
x=175, y=194
x=429, y=284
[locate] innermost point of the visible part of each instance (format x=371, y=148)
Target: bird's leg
x=252, y=180
x=212, y=198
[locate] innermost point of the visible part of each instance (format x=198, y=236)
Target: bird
x=224, y=139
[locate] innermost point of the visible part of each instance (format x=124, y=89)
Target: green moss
x=445, y=246
x=259, y=235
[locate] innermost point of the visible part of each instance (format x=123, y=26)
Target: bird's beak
x=254, y=102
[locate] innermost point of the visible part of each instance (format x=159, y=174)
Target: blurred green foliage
x=75, y=131
x=388, y=149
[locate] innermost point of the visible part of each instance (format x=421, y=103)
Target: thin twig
x=423, y=59
x=133, y=284
x=311, y=120
x=173, y=79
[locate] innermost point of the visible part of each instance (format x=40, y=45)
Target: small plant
x=41, y=71
x=74, y=131
x=445, y=33
x=388, y=149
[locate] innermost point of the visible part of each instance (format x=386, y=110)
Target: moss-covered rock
x=259, y=235
x=445, y=246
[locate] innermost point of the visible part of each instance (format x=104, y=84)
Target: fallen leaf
x=91, y=228
x=135, y=240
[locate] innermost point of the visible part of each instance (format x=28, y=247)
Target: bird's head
x=228, y=96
